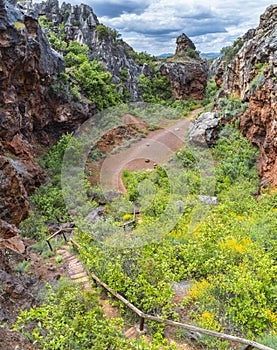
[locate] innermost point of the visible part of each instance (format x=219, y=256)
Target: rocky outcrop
x=184, y=44
x=186, y=72
x=33, y=112
x=80, y=24
x=10, y=238
x=187, y=79
x=203, y=131
x=251, y=75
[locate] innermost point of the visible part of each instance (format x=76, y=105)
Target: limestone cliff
x=186, y=71
x=36, y=106
x=251, y=74
x=33, y=114
x=186, y=74
x=81, y=24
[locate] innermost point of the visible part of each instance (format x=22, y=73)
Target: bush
x=71, y=319
x=229, y=52
x=104, y=32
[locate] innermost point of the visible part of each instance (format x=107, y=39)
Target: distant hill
x=207, y=55
x=210, y=55
x=165, y=55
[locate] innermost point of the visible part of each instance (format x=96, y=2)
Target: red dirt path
x=156, y=148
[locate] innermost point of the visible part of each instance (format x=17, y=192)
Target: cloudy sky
x=153, y=25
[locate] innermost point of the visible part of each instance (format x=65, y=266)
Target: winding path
x=156, y=148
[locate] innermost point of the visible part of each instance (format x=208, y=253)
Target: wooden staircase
x=75, y=269
x=77, y=273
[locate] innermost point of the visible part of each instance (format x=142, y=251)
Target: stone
x=14, y=203
x=257, y=57
x=95, y=214
x=184, y=44
x=187, y=79
x=187, y=75
x=10, y=237
x=11, y=285
x=208, y=200
x=7, y=230
x=203, y=131
x=32, y=115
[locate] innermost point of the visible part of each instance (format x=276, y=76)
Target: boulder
x=203, y=131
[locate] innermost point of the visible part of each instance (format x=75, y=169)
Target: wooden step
x=131, y=333
x=81, y=280
x=78, y=275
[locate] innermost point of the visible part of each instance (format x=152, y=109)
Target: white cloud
x=153, y=25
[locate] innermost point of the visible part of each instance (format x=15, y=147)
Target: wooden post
x=141, y=324
x=49, y=245
x=251, y=344
x=64, y=237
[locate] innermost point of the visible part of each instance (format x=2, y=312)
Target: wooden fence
x=250, y=344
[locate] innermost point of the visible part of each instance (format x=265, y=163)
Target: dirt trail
x=156, y=148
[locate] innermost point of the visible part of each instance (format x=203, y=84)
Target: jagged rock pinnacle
x=184, y=44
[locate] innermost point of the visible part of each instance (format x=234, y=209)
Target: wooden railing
x=61, y=231
x=250, y=344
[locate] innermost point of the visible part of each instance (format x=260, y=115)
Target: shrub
x=23, y=266
x=71, y=319
x=229, y=52
x=104, y=32
x=19, y=25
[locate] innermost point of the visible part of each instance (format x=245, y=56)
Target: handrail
x=251, y=344
x=60, y=231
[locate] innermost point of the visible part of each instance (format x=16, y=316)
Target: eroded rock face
x=187, y=75
x=32, y=113
x=80, y=24
x=13, y=200
x=251, y=75
x=203, y=131
x=184, y=44
x=187, y=79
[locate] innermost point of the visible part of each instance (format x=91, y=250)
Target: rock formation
x=32, y=113
x=184, y=44
x=80, y=24
x=186, y=71
x=251, y=75
x=187, y=79
x=203, y=130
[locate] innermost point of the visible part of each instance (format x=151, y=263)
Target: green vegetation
x=48, y=200
x=104, y=32
x=210, y=93
x=258, y=80
x=97, y=84
x=23, y=266
x=231, y=108
x=225, y=252
x=71, y=318
x=193, y=53
x=229, y=52
x=156, y=89
x=19, y=25
x=83, y=76
x=141, y=57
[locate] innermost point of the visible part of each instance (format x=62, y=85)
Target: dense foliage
x=225, y=253
x=71, y=318
x=83, y=75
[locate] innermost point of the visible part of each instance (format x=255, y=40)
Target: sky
x=154, y=25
